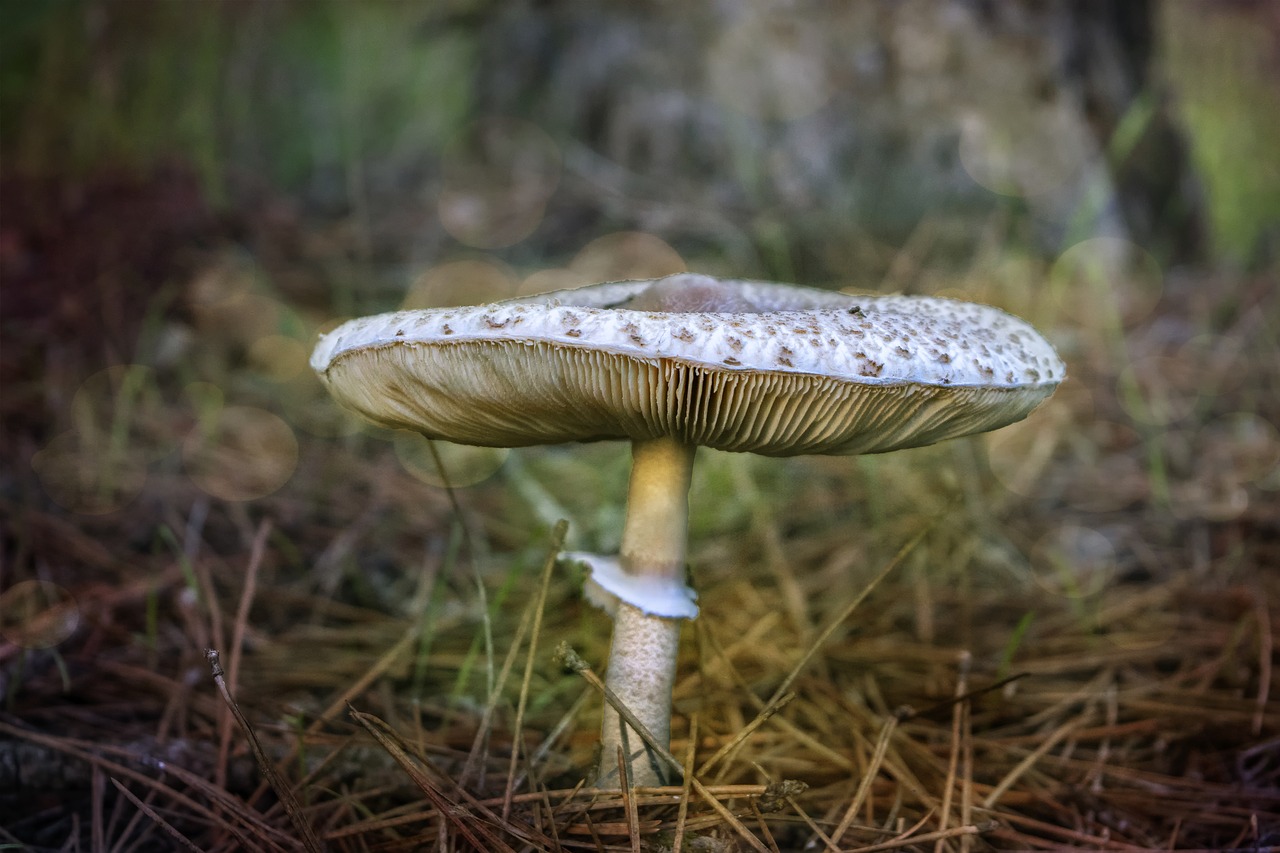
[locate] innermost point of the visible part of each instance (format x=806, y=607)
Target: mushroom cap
x=787, y=370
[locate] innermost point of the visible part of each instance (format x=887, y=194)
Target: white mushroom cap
x=784, y=371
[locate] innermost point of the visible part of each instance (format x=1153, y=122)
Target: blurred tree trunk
x=846, y=126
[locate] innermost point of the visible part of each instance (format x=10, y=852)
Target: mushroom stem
x=642, y=658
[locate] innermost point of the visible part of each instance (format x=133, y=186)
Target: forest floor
x=1072, y=645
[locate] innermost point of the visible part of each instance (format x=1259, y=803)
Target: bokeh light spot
x=37, y=614
x=1107, y=472
x=88, y=473
x=498, y=175
x=319, y=416
x=545, y=281
x=225, y=280
x=1157, y=390
x=120, y=424
x=1216, y=358
x=204, y=398
x=1104, y=281
x=1208, y=496
x=1247, y=445
x=240, y=319
x=240, y=453
x=626, y=255
x=467, y=282
x=771, y=67
x=463, y=465
x=1073, y=561
x=1214, y=467
x=1020, y=453
x=120, y=409
x=279, y=357
x=1025, y=152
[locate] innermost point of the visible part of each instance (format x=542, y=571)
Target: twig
x=283, y=791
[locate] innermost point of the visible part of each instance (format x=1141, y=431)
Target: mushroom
x=677, y=363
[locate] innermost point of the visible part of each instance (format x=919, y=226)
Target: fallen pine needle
x=283, y=791
x=159, y=821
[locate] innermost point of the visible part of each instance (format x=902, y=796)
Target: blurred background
x=191, y=191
